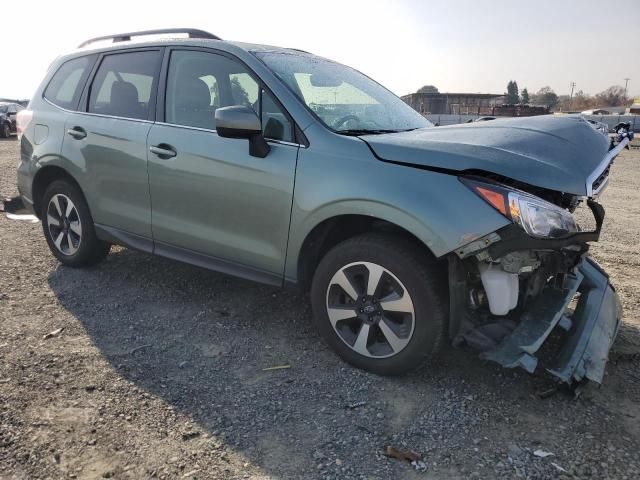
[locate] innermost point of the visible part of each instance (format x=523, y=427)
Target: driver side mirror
x=242, y=122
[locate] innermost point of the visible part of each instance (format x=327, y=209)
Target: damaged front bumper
x=561, y=311
x=589, y=331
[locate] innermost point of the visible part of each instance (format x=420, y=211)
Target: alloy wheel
x=63, y=224
x=370, y=309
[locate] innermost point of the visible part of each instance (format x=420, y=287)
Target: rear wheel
x=68, y=226
x=379, y=301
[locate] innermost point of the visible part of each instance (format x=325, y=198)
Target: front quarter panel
x=339, y=175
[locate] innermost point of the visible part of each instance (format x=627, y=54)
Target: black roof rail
x=125, y=37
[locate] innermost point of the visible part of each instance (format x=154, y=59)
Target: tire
x=69, y=231
x=5, y=131
x=416, y=326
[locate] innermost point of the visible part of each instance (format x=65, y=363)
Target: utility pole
x=626, y=82
x=573, y=84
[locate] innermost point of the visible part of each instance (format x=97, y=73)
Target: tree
x=512, y=93
x=611, y=97
x=239, y=94
x=546, y=96
x=524, y=98
x=580, y=101
x=428, y=89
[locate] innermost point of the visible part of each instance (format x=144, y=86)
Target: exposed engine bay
x=511, y=294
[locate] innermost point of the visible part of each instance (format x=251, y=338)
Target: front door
x=211, y=200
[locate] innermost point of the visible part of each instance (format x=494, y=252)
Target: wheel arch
x=44, y=177
x=337, y=228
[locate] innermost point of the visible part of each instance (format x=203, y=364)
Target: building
x=635, y=108
x=454, y=103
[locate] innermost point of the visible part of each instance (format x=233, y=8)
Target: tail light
x=23, y=119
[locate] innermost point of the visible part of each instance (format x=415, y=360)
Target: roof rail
x=125, y=37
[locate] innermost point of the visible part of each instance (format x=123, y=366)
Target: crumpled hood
x=554, y=152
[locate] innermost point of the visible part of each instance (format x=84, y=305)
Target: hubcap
x=63, y=224
x=370, y=310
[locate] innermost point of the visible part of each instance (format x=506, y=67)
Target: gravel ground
x=158, y=372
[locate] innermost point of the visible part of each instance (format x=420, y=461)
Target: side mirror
x=242, y=122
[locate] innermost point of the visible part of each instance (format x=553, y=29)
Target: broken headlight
x=539, y=218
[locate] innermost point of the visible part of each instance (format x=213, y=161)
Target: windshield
x=344, y=99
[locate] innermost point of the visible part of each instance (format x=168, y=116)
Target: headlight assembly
x=537, y=217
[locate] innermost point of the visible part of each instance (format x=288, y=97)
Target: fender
x=435, y=207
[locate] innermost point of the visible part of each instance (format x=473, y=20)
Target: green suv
x=279, y=166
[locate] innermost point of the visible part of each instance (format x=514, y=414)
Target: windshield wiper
x=365, y=131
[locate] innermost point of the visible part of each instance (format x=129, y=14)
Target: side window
x=275, y=123
x=65, y=86
x=124, y=83
x=198, y=83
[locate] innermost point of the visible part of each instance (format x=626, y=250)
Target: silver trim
x=188, y=127
x=606, y=161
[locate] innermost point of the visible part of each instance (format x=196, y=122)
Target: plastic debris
x=542, y=454
x=560, y=469
x=419, y=466
x=352, y=406
x=53, y=333
x=278, y=367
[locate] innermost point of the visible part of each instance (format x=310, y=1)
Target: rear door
x=213, y=203
x=108, y=136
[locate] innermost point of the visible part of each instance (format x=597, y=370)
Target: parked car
x=8, y=112
x=286, y=168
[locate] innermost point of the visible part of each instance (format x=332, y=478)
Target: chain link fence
x=610, y=120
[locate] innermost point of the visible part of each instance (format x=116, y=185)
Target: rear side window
x=124, y=84
x=65, y=86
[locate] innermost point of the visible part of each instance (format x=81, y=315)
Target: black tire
x=419, y=273
x=90, y=249
x=5, y=131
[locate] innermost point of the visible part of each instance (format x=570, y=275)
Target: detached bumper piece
x=16, y=209
x=590, y=329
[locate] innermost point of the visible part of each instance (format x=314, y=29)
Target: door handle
x=163, y=150
x=77, y=132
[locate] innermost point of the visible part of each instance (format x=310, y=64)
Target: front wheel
x=68, y=226
x=380, y=303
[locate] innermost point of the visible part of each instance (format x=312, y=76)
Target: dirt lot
x=158, y=373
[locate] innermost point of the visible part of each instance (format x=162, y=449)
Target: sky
x=458, y=46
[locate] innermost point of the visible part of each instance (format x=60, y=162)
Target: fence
x=610, y=120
